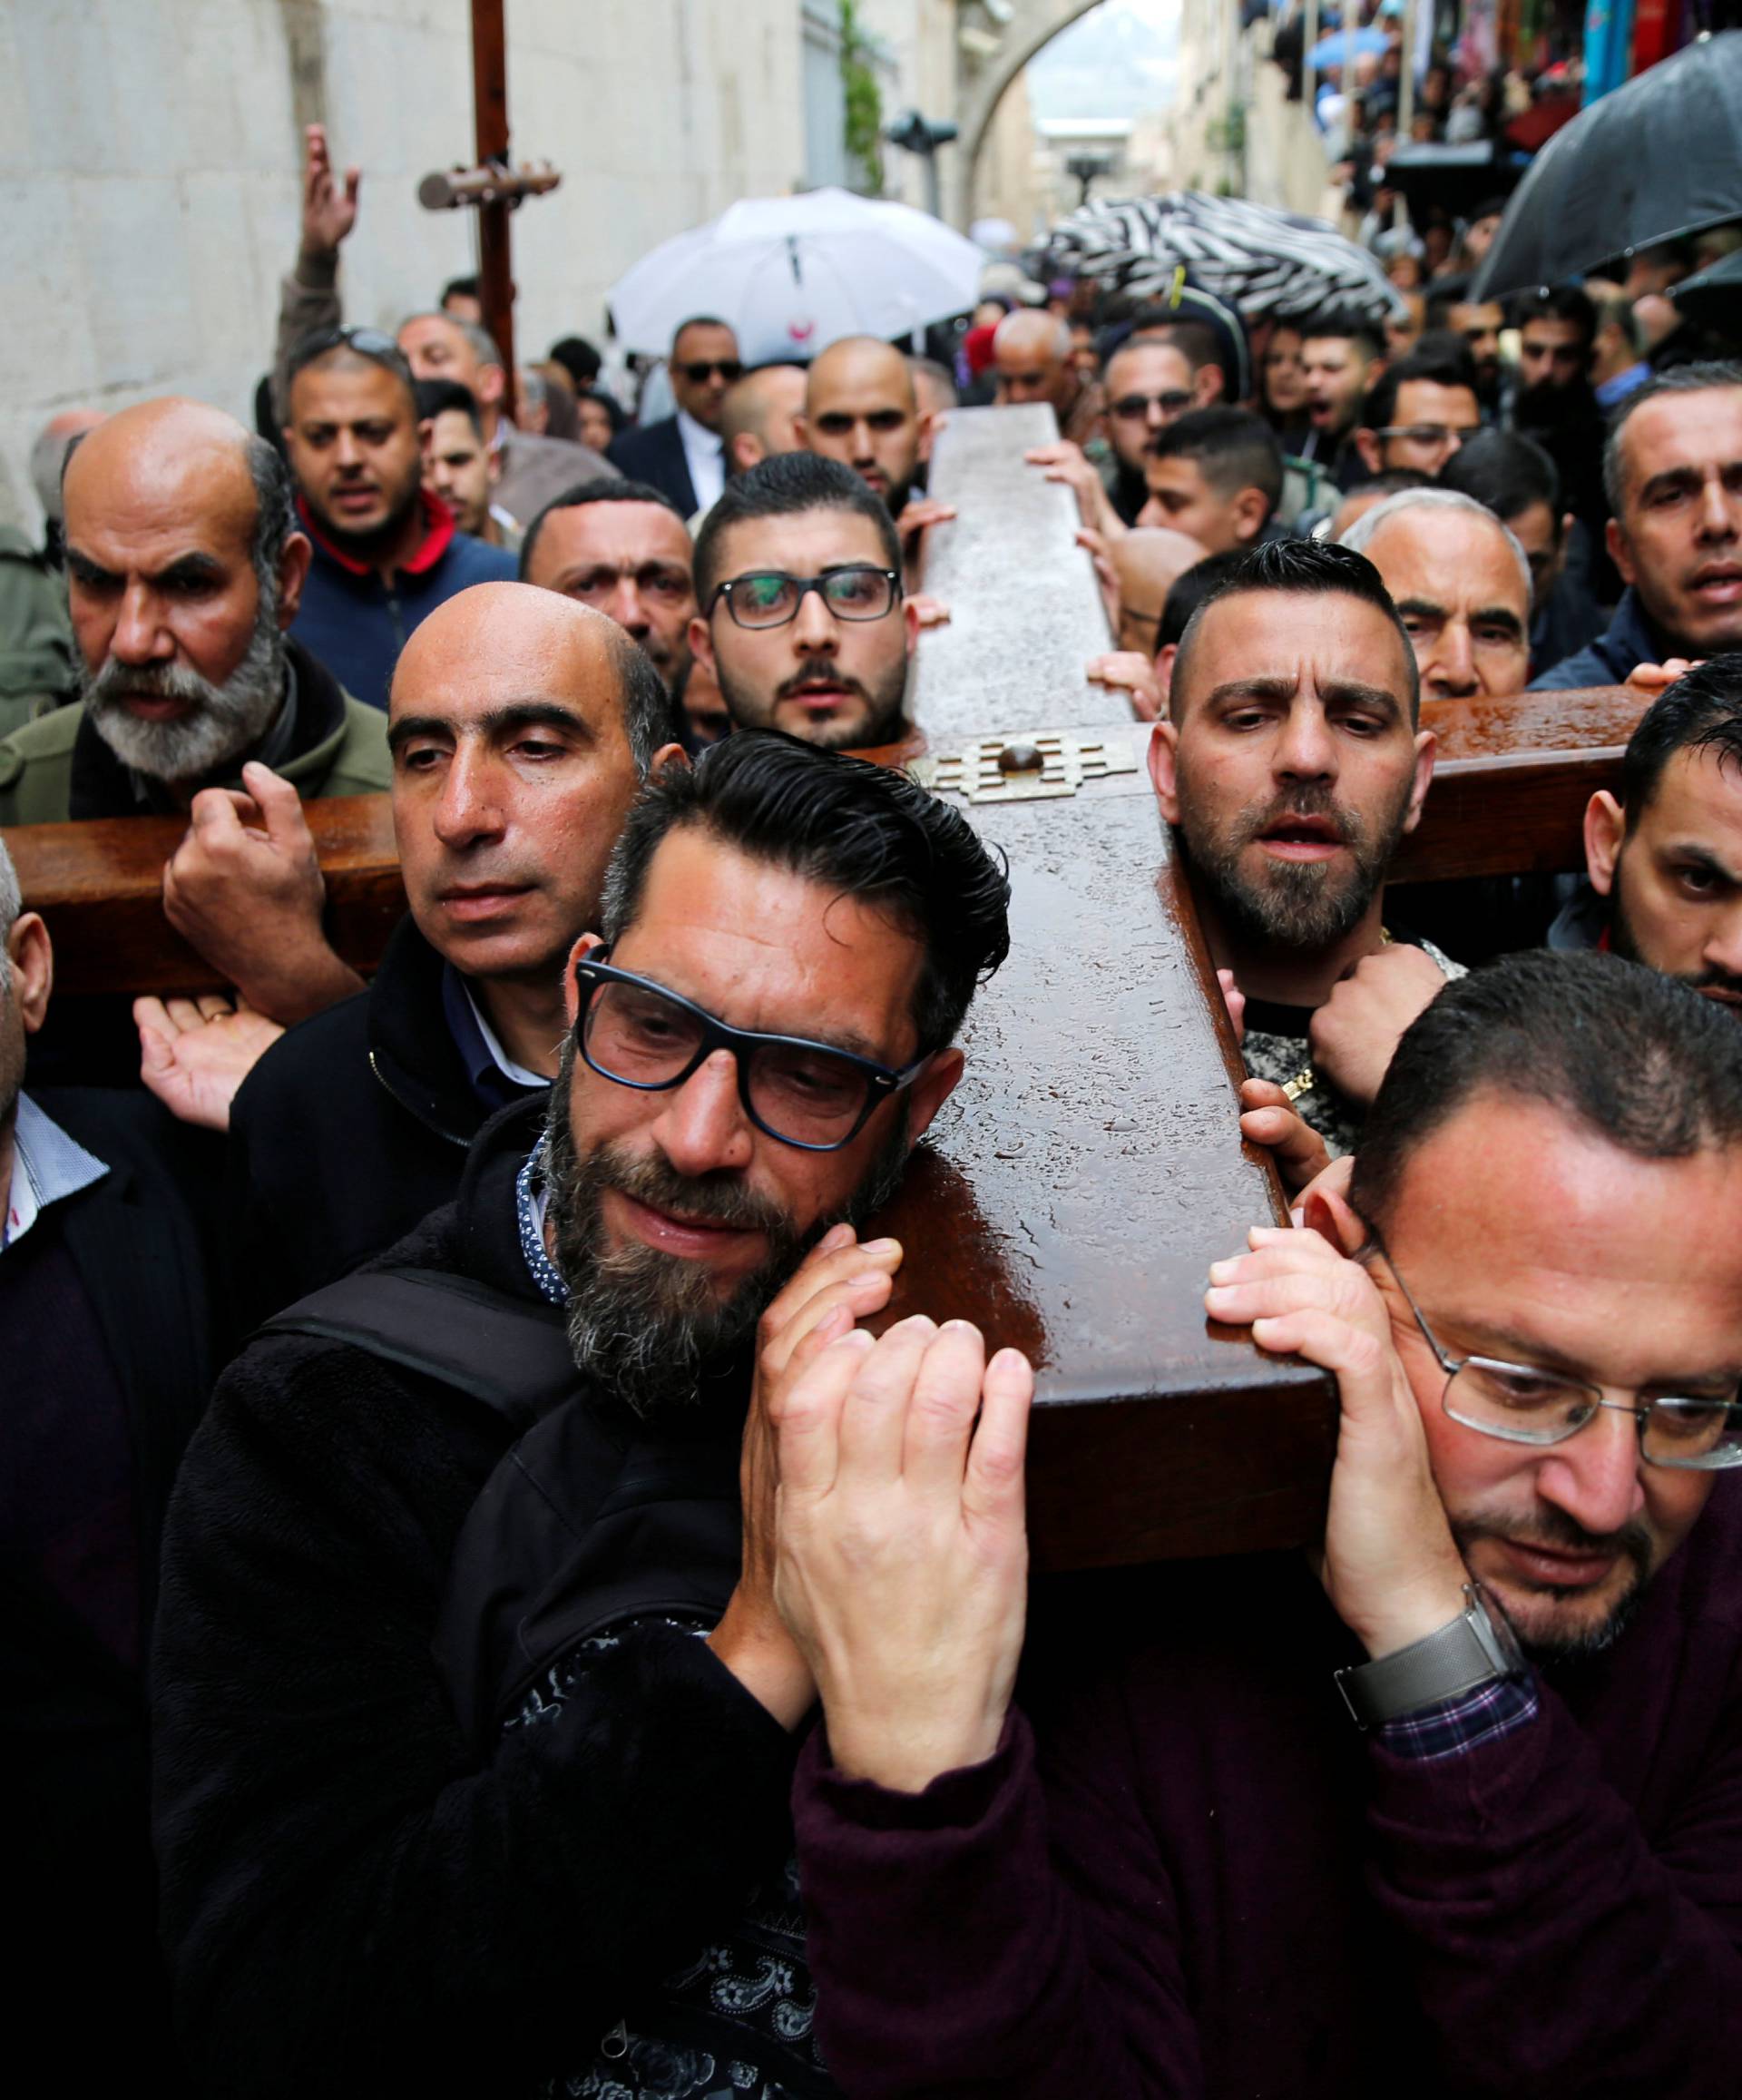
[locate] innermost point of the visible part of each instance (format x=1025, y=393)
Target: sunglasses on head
x=700, y=371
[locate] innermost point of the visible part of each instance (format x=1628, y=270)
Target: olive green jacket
x=35, y=641
x=38, y=761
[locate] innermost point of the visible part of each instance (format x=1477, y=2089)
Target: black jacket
x=350, y=1129
x=354, y=1899
x=83, y=1983
x=653, y=453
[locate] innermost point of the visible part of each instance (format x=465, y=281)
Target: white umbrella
x=794, y=274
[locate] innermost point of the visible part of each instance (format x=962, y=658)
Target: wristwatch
x=1475, y=1649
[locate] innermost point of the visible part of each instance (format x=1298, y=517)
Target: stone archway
x=1024, y=27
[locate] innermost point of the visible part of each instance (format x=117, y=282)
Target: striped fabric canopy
x=1268, y=264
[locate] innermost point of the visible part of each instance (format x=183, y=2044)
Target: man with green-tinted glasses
x=802, y=619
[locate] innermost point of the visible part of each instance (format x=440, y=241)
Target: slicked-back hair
x=442, y=397
x=483, y=344
x=1631, y=1056
x=1189, y=590
x=858, y=830
x=1233, y=450
x=318, y=348
x=1696, y=378
x=787, y=486
x=1441, y=365
x=1304, y=568
x=1361, y=533
x=1506, y=473
x=1342, y=321
x=617, y=490
x=1701, y=712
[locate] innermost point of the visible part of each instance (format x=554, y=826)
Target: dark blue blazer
x=655, y=455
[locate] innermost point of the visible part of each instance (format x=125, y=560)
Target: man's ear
x=293, y=573
x=745, y=451
x=701, y=647
x=1208, y=387
x=1605, y=828
x=1164, y=752
x=1426, y=744
x=931, y=1090
x=667, y=755
x=1619, y=552
x=1251, y=509
x=589, y=944
x=1366, y=443
x=909, y=626
x=1164, y=657
x=801, y=430
x=1329, y=1213
x=927, y=435
x=31, y=954
x=493, y=384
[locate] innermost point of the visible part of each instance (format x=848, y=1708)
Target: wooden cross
x=1089, y=1167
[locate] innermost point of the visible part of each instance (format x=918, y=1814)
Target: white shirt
x=706, y=458
x=47, y=1164
x=492, y=1043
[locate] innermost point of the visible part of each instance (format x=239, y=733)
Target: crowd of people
x=487, y=1610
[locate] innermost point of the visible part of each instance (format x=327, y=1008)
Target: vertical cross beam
x=490, y=124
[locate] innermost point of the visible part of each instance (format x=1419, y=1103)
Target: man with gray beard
x=183, y=572
x=1289, y=766
x=473, y=1738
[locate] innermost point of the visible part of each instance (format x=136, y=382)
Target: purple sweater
x=1186, y=1873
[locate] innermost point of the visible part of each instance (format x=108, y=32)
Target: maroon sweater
x=1186, y=1873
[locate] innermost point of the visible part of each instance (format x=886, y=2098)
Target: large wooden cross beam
x=1089, y=1167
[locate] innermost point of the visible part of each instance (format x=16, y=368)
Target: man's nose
x=1718, y=510
x=346, y=452
x=813, y=624
x=1450, y=670
x=1305, y=750
x=702, y=1128
x=141, y=636
x=627, y=607
x=470, y=806
x=1594, y=1477
x=1723, y=948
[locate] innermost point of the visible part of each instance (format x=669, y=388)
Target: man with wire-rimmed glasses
x=802, y=619
x=1448, y=1803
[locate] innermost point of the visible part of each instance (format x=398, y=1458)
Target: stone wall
x=150, y=153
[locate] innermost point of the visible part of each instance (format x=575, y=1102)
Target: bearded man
x=1289, y=766
x=434, y=1808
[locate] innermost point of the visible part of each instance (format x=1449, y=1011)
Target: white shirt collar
x=705, y=456
x=46, y=1165
x=492, y=1043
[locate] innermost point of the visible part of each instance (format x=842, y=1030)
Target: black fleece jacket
x=354, y=1902
x=351, y=1129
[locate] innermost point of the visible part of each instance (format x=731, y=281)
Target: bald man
x=759, y=417
x=1148, y=561
x=861, y=408
x=1031, y=354
x=521, y=725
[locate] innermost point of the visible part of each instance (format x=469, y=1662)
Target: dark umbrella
x=1713, y=300
x=1659, y=157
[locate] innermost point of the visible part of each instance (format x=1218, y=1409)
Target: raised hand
x=245, y=887
x=329, y=205
x=1389, y=1565
x=839, y=1281
x=194, y=1053
x=902, y=1568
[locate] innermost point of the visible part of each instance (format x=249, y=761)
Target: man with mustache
x=1289, y=765
x=802, y=619
x=375, y=1879
x=1672, y=472
x=1453, y=1790
x=184, y=571
x=1664, y=858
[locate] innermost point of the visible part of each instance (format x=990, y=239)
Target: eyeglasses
x=657, y=580
x=1440, y=434
x=1522, y=1404
x=1131, y=407
x=700, y=371
x=770, y=597
x=799, y=1093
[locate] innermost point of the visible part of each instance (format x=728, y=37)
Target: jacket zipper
x=452, y=1137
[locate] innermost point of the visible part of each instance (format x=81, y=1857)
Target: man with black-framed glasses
x=1448, y=1802
x=801, y=618
x=476, y=1721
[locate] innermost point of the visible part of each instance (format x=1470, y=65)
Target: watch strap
x=1454, y=1659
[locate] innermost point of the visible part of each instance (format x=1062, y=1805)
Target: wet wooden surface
x=100, y=886
x=1082, y=1178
